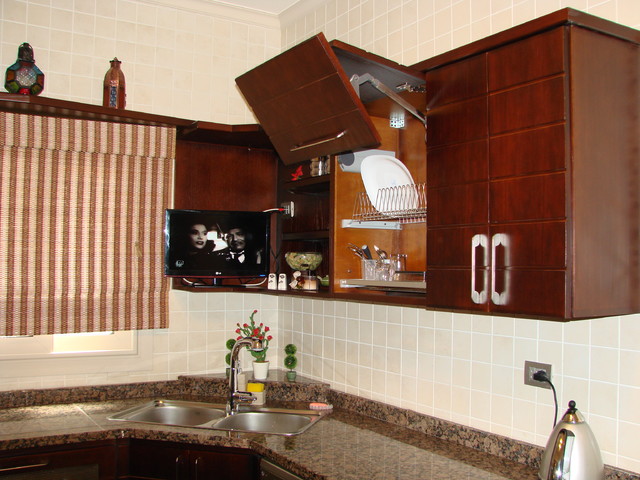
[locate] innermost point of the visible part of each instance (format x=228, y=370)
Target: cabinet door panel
x=221, y=177
x=299, y=66
x=451, y=289
x=61, y=463
x=452, y=247
x=536, y=104
x=458, y=205
x=154, y=460
x=457, y=122
x=528, y=152
x=457, y=81
x=538, y=245
x=281, y=117
x=531, y=292
x=460, y=163
x=313, y=133
x=289, y=94
x=540, y=197
x=222, y=466
x=530, y=59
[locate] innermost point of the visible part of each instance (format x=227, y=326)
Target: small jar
x=399, y=261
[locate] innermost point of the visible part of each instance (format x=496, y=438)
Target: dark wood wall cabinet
x=531, y=165
x=533, y=162
x=319, y=99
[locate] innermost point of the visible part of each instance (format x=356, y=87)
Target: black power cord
x=541, y=376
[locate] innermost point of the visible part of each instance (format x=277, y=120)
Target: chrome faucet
x=236, y=396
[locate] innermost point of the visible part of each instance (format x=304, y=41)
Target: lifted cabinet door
x=304, y=100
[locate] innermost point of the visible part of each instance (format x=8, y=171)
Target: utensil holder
x=369, y=269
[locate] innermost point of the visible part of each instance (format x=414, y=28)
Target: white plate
x=381, y=172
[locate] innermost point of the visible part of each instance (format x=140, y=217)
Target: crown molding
x=303, y=7
x=229, y=12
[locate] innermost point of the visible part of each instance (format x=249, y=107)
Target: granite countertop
x=359, y=439
x=344, y=445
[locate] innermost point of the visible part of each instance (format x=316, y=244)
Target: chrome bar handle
x=499, y=239
x=24, y=467
x=318, y=141
x=478, y=240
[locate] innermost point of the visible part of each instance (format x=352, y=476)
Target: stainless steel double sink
x=278, y=421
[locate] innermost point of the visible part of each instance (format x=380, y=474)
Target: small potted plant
x=290, y=361
x=251, y=329
x=230, y=343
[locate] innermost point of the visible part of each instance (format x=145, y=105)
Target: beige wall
x=464, y=368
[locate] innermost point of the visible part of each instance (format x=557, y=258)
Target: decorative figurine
x=114, y=86
x=24, y=77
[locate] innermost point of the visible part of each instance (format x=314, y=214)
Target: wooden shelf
x=310, y=185
x=307, y=236
x=51, y=107
x=249, y=135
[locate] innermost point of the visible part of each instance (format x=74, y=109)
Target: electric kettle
x=572, y=452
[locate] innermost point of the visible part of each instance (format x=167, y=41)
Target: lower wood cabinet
x=86, y=461
x=150, y=459
x=129, y=459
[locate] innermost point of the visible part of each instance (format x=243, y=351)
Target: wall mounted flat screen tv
x=216, y=244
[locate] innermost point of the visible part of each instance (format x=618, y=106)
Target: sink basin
x=172, y=412
x=277, y=421
x=280, y=423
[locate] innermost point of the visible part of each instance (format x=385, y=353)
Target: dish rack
x=402, y=203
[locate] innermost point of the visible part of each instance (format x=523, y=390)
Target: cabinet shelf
x=316, y=235
x=386, y=286
x=248, y=135
x=310, y=186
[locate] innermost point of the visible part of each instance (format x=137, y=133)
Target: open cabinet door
x=303, y=100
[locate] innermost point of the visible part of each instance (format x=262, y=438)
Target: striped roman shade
x=81, y=225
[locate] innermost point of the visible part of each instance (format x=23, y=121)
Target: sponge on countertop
x=320, y=406
x=255, y=387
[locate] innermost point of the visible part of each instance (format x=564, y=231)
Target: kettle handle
x=560, y=467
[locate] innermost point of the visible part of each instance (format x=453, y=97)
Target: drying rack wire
x=404, y=203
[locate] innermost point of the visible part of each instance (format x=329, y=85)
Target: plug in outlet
x=530, y=368
x=287, y=209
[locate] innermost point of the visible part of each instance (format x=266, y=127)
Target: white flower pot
x=260, y=370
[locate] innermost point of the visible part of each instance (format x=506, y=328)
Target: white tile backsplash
x=470, y=370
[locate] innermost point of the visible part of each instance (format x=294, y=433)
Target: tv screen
x=216, y=244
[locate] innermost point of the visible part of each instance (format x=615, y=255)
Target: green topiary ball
x=290, y=361
x=290, y=349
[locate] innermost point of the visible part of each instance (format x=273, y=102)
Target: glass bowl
x=303, y=260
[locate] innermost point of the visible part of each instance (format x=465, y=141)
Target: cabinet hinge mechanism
x=357, y=80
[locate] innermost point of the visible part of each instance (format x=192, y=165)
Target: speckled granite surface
x=359, y=440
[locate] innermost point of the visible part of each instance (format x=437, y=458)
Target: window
x=68, y=345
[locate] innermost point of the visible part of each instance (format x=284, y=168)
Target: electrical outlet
x=287, y=209
x=530, y=368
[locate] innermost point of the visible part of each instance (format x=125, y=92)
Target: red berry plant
x=257, y=331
